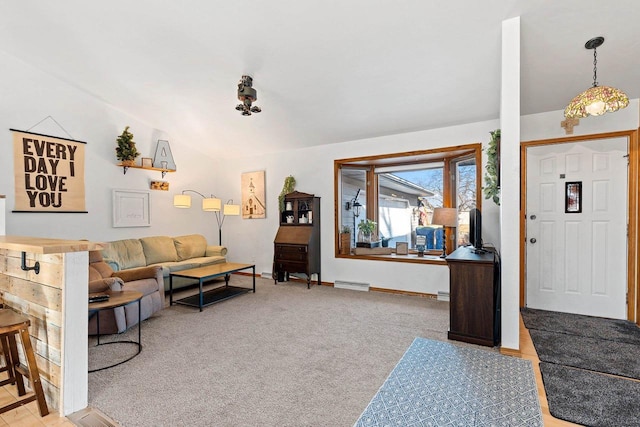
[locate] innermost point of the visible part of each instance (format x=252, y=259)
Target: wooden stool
x=11, y=324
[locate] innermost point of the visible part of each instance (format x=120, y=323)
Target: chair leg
x=8, y=365
x=34, y=374
x=15, y=363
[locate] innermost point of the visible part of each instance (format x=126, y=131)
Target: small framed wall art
x=131, y=208
x=253, y=198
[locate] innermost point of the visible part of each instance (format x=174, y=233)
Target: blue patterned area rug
x=441, y=384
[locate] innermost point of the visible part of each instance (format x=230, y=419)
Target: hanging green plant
x=288, y=187
x=492, y=175
x=126, y=150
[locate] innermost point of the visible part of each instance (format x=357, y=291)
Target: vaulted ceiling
x=326, y=71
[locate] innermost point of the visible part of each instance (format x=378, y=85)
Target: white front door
x=576, y=261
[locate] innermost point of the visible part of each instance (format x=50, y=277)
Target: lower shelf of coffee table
x=212, y=296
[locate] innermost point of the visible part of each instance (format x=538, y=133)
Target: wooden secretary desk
x=297, y=243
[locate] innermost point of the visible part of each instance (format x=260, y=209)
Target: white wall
x=29, y=96
x=252, y=240
x=543, y=126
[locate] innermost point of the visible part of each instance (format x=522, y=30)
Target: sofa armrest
x=108, y=284
x=216, y=251
x=131, y=274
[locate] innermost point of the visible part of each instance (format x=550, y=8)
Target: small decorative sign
x=402, y=248
x=160, y=185
x=163, y=158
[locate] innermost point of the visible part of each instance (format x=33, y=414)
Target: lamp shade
x=231, y=210
x=182, y=201
x=447, y=217
x=211, y=204
x=596, y=101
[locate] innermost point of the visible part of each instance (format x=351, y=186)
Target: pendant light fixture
x=596, y=100
x=247, y=94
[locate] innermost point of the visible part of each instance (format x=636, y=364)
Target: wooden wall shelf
x=126, y=168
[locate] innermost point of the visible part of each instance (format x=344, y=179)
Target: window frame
x=446, y=155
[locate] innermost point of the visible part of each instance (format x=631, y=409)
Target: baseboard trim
x=401, y=292
x=374, y=289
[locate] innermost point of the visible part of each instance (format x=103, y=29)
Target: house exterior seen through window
x=400, y=192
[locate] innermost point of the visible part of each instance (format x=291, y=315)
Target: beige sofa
x=170, y=253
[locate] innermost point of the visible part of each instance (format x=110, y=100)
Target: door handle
x=533, y=240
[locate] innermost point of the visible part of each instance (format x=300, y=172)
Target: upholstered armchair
x=147, y=280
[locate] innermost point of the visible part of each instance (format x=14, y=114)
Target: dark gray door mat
x=590, y=398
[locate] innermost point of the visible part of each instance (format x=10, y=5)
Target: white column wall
x=510, y=182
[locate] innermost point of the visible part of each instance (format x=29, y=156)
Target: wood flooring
x=528, y=351
x=27, y=415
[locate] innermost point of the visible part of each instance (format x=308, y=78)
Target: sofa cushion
x=168, y=267
x=158, y=249
x=123, y=254
x=190, y=246
x=208, y=260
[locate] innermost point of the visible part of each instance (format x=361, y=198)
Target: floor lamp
x=446, y=217
x=209, y=204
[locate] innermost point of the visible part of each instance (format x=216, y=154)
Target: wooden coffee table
x=116, y=299
x=212, y=296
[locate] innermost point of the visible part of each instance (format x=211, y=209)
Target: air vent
x=443, y=296
x=354, y=286
x=90, y=417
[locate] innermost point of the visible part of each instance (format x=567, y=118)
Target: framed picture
x=147, y=162
x=253, y=198
x=131, y=208
x=573, y=197
x=402, y=248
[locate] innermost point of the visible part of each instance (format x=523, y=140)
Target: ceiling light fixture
x=596, y=100
x=247, y=94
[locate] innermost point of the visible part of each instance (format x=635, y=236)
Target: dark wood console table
x=474, y=307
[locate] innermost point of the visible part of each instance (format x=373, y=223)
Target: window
x=400, y=191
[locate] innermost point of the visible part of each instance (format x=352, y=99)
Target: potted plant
x=366, y=230
x=345, y=240
x=288, y=187
x=492, y=175
x=126, y=150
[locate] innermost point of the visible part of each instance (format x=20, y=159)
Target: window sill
x=411, y=258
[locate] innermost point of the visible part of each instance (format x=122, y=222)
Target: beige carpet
x=284, y=356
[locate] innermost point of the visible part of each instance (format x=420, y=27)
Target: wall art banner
x=49, y=173
x=253, y=200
